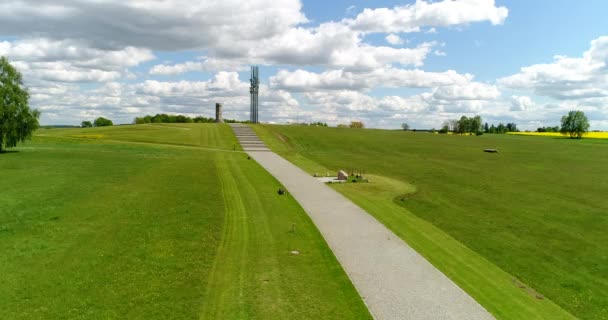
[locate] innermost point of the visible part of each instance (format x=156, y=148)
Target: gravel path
x=393, y=279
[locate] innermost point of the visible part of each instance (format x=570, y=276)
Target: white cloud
x=45, y=50
x=71, y=61
x=333, y=45
x=330, y=45
x=159, y=25
x=394, y=39
x=302, y=80
x=567, y=78
x=340, y=96
x=424, y=110
x=223, y=84
x=470, y=91
x=234, y=33
x=411, y=18
x=206, y=65
x=521, y=103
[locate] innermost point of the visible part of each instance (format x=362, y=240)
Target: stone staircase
x=247, y=138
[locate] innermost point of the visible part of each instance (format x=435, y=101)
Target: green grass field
x=523, y=231
x=157, y=222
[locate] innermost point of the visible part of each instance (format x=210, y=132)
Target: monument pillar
x=254, y=90
x=218, y=113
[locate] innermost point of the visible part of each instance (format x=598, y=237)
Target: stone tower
x=218, y=113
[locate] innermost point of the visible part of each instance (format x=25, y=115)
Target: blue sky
x=381, y=62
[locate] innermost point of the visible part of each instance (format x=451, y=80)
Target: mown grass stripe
x=224, y=298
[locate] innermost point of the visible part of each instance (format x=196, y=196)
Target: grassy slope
x=536, y=210
x=95, y=228
x=191, y=134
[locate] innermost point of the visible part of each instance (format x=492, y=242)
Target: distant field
x=519, y=230
x=594, y=135
x=157, y=222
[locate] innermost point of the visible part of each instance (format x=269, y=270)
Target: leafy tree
x=511, y=127
x=357, y=124
x=475, y=125
x=17, y=120
x=405, y=126
x=463, y=125
x=454, y=125
x=181, y=119
x=102, y=122
x=486, y=128
x=86, y=124
x=575, y=124
x=445, y=127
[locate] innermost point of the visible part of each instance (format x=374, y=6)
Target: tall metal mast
x=253, y=90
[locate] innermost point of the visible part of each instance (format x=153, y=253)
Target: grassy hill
x=157, y=222
x=522, y=231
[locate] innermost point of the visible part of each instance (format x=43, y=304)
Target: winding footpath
x=394, y=280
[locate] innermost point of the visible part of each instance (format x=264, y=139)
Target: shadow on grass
x=9, y=151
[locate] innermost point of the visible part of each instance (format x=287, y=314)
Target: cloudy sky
x=382, y=62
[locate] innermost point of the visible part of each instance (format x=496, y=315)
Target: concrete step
x=248, y=139
x=257, y=149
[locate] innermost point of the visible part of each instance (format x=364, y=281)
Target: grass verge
x=489, y=222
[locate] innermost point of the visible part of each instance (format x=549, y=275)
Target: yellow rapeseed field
x=595, y=135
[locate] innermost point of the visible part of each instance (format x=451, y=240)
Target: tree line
x=170, y=118
x=500, y=128
x=473, y=125
x=352, y=124
x=99, y=122
x=548, y=129
x=575, y=124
